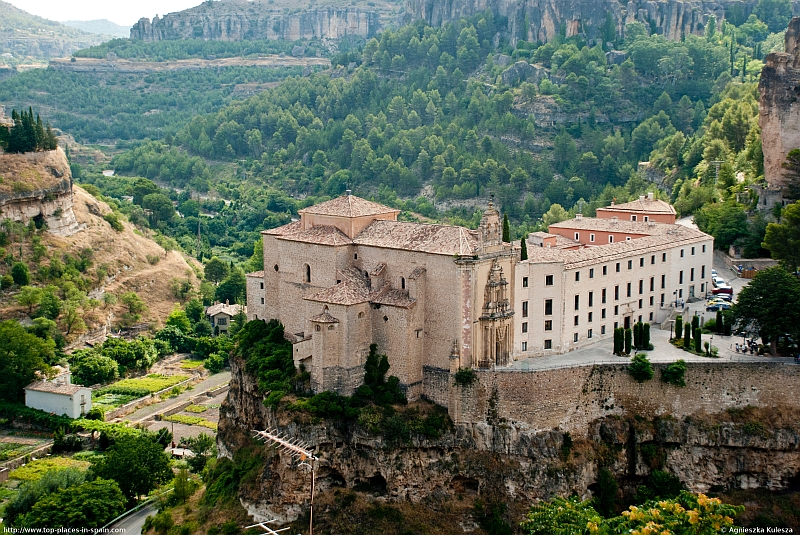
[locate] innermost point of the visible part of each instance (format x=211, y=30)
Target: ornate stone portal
x=495, y=320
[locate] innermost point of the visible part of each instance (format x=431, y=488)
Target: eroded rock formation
x=38, y=186
x=541, y=20
x=499, y=459
x=231, y=21
x=779, y=105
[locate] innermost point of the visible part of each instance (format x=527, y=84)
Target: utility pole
x=297, y=450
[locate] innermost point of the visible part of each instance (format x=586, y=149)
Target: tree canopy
x=137, y=463
x=21, y=355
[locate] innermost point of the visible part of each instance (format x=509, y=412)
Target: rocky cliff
x=506, y=461
x=541, y=20
x=38, y=186
x=232, y=21
x=779, y=113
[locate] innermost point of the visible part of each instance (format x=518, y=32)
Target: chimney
x=641, y=198
x=578, y=217
x=227, y=301
x=650, y=196
x=348, y=192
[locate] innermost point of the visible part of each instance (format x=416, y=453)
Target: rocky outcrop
x=232, y=21
x=38, y=186
x=503, y=460
x=541, y=20
x=778, y=105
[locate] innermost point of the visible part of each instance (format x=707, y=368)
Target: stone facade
x=348, y=275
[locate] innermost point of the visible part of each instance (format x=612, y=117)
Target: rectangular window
x=691, y=275
x=591, y=318
x=611, y=238
x=576, y=321
x=602, y=329
x=524, y=326
x=548, y=325
x=524, y=282
x=663, y=281
x=704, y=248
x=589, y=334
x=652, y=284
x=680, y=293
x=640, y=304
x=692, y=251
x=663, y=257
x=222, y=321
x=682, y=253
x=651, y=316
x=262, y=300
x=591, y=237
x=662, y=300
x=591, y=273
x=653, y=260
x=548, y=280
x=616, y=293
x=524, y=346
x=261, y=284
x=605, y=270
x=702, y=289
x=548, y=307
x=680, y=277
x=577, y=276
x=633, y=218
x=548, y=344
x=702, y=272
x=591, y=299
x=575, y=338
x=577, y=237
x=616, y=324
x=646, y=218
x=616, y=310
x=603, y=296
x=652, y=300
x=577, y=302
x=617, y=267
x=524, y=309
x=629, y=289
x=603, y=314
x=641, y=262
x=641, y=286
x=630, y=264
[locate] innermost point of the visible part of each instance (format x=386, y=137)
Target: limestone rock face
x=541, y=20
x=505, y=460
x=779, y=105
x=231, y=21
x=38, y=186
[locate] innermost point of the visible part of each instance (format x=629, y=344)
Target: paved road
x=134, y=523
x=209, y=383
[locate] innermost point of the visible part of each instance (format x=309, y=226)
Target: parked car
x=718, y=306
x=713, y=273
x=718, y=281
x=716, y=300
x=722, y=290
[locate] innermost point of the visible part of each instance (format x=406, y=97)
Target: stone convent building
x=435, y=298
x=349, y=274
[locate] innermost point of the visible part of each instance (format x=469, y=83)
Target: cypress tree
x=678, y=326
x=720, y=328
x=695, y=322
x=39, y=133
x=698, y=345
x=628, y=337
x=646, y=336
x=637, y=335
x=523, y=249
x=506, y=229
x=687, y=336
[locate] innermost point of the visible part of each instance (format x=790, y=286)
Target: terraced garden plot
x=142, y=386
x=108, y=401
x=36, y=469
x=191, y=364
x=191, y=420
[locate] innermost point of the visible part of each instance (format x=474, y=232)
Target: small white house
x=221, y=314
x=59, y=396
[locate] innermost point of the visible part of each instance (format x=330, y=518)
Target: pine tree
x=523, y=249
x=506, y=229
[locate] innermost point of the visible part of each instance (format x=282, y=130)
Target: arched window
x=306, y=273
x=403, y=283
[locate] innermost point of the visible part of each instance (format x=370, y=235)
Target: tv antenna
x=298, y=450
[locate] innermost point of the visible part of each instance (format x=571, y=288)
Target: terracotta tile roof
x=224, y=308
x=349, y=206
x=669, y=236
x=353, y=289
x=391, y=297
x=378, y=269
x=319, y=234
x=289, y=228
x=435, y=239
x=655, y=206
x=257, y=274
x=325, y=317
x=54, y=388
x=417, y=273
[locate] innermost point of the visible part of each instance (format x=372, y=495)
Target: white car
x=718, y=281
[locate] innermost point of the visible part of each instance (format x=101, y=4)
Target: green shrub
x=660, y=486
x=465, y=376
x=20, y=274
x=640, y=368
x=674, y=373
x=113, y=220
x=605, y=499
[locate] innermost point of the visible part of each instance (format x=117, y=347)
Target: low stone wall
x=570, y=398
x=758, y=263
